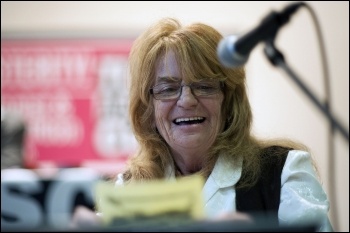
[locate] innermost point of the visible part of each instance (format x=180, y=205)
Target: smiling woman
x=191, y=116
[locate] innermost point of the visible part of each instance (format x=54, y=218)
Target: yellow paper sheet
x=153, y=198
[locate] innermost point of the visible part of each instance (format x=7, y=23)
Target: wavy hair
x=195, y=49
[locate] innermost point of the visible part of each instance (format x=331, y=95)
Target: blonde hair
x=195, y=51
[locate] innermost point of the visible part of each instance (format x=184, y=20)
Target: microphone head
x=227, y=53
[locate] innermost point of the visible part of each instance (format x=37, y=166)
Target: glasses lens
x=167, y=91
x=205, y=88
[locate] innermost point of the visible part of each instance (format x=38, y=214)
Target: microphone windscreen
x=227, y=54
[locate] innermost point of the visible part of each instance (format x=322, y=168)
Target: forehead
x=168, y=66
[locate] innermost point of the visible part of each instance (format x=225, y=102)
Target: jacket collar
x=226, y=172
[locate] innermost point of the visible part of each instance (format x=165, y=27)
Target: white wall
x=280, y=108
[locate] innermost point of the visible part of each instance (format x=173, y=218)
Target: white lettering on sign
x=35, y=203
x=52, y=118
x=39, y=67
x=22, y=209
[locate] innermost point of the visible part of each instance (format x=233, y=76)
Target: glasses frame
x=220, y=88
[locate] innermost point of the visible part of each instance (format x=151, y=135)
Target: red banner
x=72, y=95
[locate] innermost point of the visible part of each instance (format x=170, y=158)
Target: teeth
x=188, y=119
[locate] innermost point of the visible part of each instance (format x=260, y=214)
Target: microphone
x=234, y=52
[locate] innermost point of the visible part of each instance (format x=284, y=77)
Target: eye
x=166, y=88
x=204, y=86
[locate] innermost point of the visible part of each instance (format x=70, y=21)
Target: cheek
x=160, y=114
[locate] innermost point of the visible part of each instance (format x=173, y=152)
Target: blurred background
x=64, y=81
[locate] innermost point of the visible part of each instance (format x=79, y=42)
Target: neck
x=187, y=164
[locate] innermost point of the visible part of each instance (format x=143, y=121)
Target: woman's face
x=188, y=122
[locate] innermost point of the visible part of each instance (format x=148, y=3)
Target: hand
x=84, y=217
x=234, y=216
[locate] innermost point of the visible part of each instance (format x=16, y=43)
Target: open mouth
x=189, y=120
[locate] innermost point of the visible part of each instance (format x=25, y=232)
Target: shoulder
x=297, y=156
x=286, y=157
x=298, y=161
x=272, y=151
x=274, y=157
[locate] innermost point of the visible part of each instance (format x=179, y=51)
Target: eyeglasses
x=170, y=91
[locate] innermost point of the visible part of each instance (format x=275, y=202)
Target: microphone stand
x=277, y=59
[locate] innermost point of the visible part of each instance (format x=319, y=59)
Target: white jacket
x=302, y=196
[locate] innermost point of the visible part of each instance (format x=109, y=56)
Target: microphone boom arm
x=277, y=59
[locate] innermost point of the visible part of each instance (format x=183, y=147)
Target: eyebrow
x=167, y=79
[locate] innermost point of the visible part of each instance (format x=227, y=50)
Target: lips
x=189, y=120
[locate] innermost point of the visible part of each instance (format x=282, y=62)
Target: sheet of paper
x=153, y=198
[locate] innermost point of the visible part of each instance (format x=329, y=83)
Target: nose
x=186, y=99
